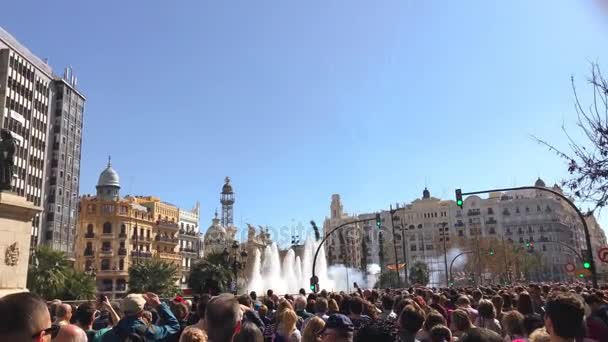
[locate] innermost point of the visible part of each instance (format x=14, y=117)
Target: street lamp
x=445, y=235
x=236, y=260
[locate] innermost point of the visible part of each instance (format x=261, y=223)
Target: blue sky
x=299, y=100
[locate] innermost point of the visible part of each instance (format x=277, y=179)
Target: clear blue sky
x=296, y=101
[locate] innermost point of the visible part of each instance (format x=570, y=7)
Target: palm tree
x=78, y=286
x=154, y=275
x=210, y=275
x=47, y=275
x=419, y=273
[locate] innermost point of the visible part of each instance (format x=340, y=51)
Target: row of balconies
x=91, y=235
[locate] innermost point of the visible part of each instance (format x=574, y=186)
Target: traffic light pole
x=591, y=261
x=314, y=261
x=392, y=212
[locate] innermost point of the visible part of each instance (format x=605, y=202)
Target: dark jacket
x=134, y=325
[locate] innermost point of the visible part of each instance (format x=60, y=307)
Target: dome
x=215, y=230
x=426, y=193
x=540, y=183
x=109, y=177
x=227, y=188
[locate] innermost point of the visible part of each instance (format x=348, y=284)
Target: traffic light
x=459, y=201
x=587, y=265
x=491, y=252
x=378, y=221
x=527, y=245
x=314, y=284
x=580, y=275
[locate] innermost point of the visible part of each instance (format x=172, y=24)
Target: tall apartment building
x=44, y=114
x=417, y=229
x=25, y=104
x=63, y=165
x=190, y=240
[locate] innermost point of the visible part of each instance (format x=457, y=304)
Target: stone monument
x=16, y=216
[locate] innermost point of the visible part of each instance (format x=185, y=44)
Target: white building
x=418, y=229
x=190, y=240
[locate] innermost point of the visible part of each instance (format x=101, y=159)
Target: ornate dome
x=426, y=193
x=109, y=176
x=227, y=188
x=540, y=183
x=215, y=230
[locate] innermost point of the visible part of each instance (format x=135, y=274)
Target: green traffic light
x=581, y=275
x=491, y=252
x=586, y=264
x=459, y=203
x=527, y=244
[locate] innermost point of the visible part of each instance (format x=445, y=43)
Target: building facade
x=416, y=231
x=190, y=241
x=114, y=233
x=25, y=105
x=63, y=165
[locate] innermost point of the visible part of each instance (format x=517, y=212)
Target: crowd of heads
x=535, y=313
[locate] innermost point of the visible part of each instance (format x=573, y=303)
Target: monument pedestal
x=16, y=216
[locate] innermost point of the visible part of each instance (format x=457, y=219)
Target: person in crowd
x=537, y=301
x=254, y=298
x=410, y=323
x=263, y=312
x=84, y=316
x=440, y=333
x=507, y=302
x=524, y=304
x=25, y=317
x=564, y=314
x=312, y=328
x=222, y=316
x=194, y=335
x=200, y=312
x=70, y=333
x=377, y=331
x=320, y=311
x=513, y=326
x=249, y=332
x=597, y=322
x=180, y=311
x=286, y=329
x=300, y=306
x=498, y=303
x=332, y=307
x=480, y=335
x=387, y=308
x=464, y=303
x=461, y=323
x=487, y=316
x=432, y=319
x=53, y=308
x=539, y=335
x=356, y=313
x=437, y=305
x=338, y=328
x=63, y=314
x=132, y=325
x=249, y=314
x=310, y=305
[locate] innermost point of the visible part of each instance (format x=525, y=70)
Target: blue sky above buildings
x=296, y=101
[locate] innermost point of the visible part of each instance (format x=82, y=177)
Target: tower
x=108, y=186
x=227, y=200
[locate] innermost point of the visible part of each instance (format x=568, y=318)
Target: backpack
x=138, y=336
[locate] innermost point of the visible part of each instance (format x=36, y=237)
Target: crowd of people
x=534, y=313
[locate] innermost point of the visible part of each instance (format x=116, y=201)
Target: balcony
x=121, y=287
x=122, y=251
x=171, y=256
x=508, y=233
x=473, y=212
x=89, y=235
x=189, y=250
x=141, y=254
x=107, y=235
x=106, y=251
x=165, y=224
x=491, y=221
x=122, y=235
x=112, y=273
x=89, y=252
x=166, y=239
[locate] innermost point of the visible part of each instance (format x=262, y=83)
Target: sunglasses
x=53, y=331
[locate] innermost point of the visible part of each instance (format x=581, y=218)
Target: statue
x=7, y=160
x=250, y=232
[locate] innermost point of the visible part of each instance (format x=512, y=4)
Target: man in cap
x=338, y=328
x=132, y=326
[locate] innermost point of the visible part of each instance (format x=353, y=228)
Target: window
x=413, y=248
x=121, y=264
x=107, y=228
x=90, y=229
x=106, y=246
x=105, y=265
x=123, y=229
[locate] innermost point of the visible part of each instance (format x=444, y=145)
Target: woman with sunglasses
x=25, y=317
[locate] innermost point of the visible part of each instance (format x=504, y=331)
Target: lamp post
x=445, y=235
x=236, y=260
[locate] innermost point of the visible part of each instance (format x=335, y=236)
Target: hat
x=133, y=303
x=339, y=322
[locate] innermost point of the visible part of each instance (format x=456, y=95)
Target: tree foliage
x=419, y=273
x=50, y=276
x=154, y=275
x=210, y=275
x=388, y=279
x=588, y=160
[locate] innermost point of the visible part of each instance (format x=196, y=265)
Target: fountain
x=293, y=273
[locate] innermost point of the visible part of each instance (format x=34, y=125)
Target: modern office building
x=63, y=165
x=44, y=113
x=25, y=105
